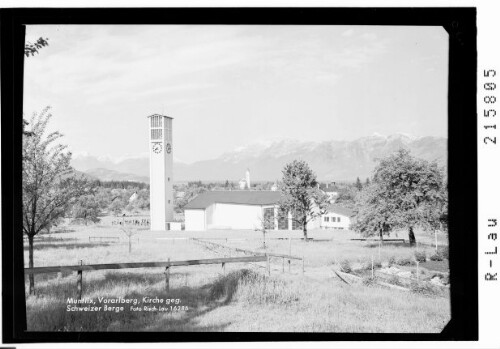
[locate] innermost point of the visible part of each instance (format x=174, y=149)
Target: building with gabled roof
x=337, y=217
x=231, y=209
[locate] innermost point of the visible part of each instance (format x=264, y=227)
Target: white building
x=244, y=183
x=337, y=217
x=133, y=197
x=237, y=209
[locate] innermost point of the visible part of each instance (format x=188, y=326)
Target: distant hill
x=331, y=160
x=104, y=174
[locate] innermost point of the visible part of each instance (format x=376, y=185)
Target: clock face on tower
x=157, y=148
x=168, y=148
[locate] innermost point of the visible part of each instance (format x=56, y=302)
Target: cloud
x=369, y=36
x=347, y=33
x=108, y=63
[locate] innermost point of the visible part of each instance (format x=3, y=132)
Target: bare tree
x=266, y=223
x=129, y=231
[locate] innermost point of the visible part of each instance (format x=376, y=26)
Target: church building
x=237, y=209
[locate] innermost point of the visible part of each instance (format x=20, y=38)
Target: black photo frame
x=460, y=23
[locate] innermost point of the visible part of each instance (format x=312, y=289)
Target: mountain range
x=331, y=160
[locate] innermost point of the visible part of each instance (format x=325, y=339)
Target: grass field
x=243, y=298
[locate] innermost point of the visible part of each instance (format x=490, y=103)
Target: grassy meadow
x=240, y=298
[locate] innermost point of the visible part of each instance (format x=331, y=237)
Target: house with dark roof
x=337, y=217
x=236, y=209
x=229, y=209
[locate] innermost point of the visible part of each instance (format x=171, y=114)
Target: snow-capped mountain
x=331, y=160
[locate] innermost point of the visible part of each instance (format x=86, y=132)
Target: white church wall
x=234, y=216
x=194, y=220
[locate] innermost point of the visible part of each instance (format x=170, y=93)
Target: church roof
x=241, y=197
x=344, y=211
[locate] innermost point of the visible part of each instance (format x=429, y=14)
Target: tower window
x=168, y=179
x=156, y=134
x=168, y=201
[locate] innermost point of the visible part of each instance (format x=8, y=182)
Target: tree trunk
x=31, y=264
x=304, y=229
x=411, y=237
x=381, y=236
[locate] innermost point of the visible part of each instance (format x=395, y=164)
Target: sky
x=227, y=86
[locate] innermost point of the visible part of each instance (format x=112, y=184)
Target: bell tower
x=161, y=198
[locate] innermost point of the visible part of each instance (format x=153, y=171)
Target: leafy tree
x=103, y=197
x=192, y=191
x=373, y=213
x=142, y=201
x=412, y=188
x=358, y=184
x=367, y=182
x=347, y=196
x=117, y=206
x=50, y=186
x=300, y=194
x=87, y=209
x=32, y=48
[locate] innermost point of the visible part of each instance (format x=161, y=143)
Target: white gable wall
x=236, y=216
x=333, y=221
x=194, y=219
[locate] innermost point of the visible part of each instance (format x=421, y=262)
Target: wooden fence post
x=289, y=265
x=79, y=282
x=167, y=276
x=283, y=267
x=372, y=266
x=268, y=265
x=417, y=271
x=224, y=268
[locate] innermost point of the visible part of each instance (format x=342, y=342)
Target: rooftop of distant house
x=328, y=187
x=344, y=211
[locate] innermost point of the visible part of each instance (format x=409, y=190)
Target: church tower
x=161, y=194
x=247, y=178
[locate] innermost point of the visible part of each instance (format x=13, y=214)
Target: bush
x=423, y=288
x=345, y=266
x=404, y=261
x=437, y=257
x=369, y=281
x=444, y=252
x=392, y=261
x=225, y=286
x=420, y=256
x=394, y=280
